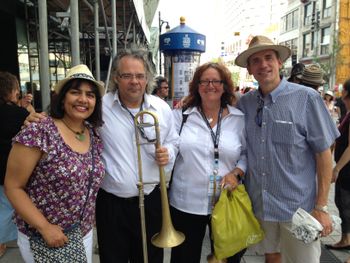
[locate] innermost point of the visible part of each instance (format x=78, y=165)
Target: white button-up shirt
x=194, y=165
x=120, y=150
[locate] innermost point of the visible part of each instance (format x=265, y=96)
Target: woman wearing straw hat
x=62, y=167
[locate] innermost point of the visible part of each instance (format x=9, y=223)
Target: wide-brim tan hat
x=312, y=75
x=260, y=43
x=80, y=72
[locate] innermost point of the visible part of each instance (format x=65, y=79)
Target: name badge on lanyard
x=214, y=178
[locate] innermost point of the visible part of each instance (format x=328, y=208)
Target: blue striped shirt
x=281, y=173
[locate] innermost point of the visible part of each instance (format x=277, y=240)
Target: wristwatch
x=322, y=208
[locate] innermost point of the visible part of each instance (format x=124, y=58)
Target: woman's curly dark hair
x=227, y=98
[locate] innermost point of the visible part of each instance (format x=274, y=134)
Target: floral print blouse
x=59, y=183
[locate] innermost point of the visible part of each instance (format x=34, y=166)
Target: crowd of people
x=82, y=164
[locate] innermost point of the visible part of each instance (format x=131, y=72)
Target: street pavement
x=13, y=256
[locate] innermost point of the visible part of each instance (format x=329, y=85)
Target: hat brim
x=242, y=59
x=315, y=83
x=63, y=82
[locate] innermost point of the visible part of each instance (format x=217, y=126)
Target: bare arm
x=344, y=159
x=324, y=175
x=18, y=172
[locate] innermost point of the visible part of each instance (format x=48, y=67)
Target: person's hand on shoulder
x=34, y=117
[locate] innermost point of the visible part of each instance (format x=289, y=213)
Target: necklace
x=80, y=136
x=209, y=119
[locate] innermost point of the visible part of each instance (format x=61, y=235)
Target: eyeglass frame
x=259, y=111
x=215, y=82
x=130, y=76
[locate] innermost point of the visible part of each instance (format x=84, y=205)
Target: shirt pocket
x=283, y=132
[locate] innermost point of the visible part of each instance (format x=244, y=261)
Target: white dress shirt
x=194, y=165
x=120, y=150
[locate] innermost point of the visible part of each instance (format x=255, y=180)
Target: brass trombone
x=168, y=236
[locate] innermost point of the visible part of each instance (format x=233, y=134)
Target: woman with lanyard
x=211, y=156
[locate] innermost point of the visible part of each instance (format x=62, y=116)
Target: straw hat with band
x=260, y=43
x=79, y=72
x=312, y=75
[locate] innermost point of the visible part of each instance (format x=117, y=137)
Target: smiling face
x=265, y=66
x=132, y=81
x=79, y=103
x=213, y=91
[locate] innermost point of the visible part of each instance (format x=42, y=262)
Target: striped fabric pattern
x=281, y=173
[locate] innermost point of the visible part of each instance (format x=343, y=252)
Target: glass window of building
x=307, y=45
x=325, y=40
x=327, y=6
x=308, y=14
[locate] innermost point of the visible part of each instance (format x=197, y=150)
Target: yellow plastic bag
x=234, y=226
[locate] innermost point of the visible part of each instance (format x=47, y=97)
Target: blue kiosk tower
x=182, y=48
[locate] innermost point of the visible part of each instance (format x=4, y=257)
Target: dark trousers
x=342, y=201
x=119, y=228
x=194, y=228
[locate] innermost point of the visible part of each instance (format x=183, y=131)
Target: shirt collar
x=231, y=110
x=280, y=88
x=272, y=96
x=147, y=100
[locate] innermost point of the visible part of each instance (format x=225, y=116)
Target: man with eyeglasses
x=117, y=207
x=289, y=133
x=161, y=88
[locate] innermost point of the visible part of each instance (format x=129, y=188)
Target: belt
x=132, y=199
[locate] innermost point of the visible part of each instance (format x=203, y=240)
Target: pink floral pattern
x=59, y=183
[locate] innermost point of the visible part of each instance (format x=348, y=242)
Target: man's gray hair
x=139, y=53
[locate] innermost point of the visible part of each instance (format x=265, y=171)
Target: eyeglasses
x=215, y=83
x=259, y=112
x=129, y=76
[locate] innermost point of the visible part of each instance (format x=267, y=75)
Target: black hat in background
x=297, y=71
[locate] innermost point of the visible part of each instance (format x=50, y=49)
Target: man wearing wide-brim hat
x=312, y=76
x=289, y=133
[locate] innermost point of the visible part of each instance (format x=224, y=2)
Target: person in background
x=296, y=73
x=62, y=163
x=117, y=209
x=211, y=143
x=161, y=88
x=334, y=111
x=289, y=133
x=341, y=105
x=341, y=174
x=311, y=76
x=13, y=116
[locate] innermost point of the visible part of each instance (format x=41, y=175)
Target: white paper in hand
x=305, y=227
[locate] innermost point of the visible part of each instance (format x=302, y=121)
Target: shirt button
x=262, y=140
x=263, y=124
x=262, y=157
x=263, y=174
